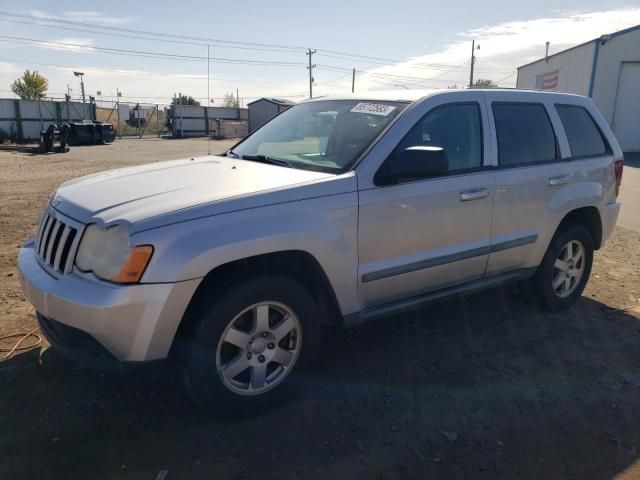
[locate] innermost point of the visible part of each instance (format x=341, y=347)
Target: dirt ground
x=484, y=386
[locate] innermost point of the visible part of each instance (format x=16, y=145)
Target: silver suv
x=338, y=211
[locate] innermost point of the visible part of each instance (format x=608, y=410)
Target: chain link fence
x=136, y=119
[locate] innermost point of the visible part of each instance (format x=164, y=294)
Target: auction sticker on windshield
x=373, y=109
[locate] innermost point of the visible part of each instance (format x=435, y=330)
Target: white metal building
x=607, y=69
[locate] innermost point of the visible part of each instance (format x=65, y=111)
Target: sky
x=259, y=48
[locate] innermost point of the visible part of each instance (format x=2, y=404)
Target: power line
x=334, y=80
x=418, y=80
x=181, y=57
x=384, y=59
x=147, y=32
x=141, y=37
x=387, y=61
x=411, y=64
x=147, y=54
x=137, y=73
x=375, y=62
x=46, y=21
x=384, y=83
x=506, y=78
x=196, y=40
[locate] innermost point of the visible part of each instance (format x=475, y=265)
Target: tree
x=184, y=100
x=31, y=86
x=485, y=83
x=230, y=101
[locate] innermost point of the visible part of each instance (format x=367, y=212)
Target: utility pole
x=118, y=95
x=81, y=75
x=208, y=93
x=473, y=61
x=237, y=98
x=353, y=81
x=310, y=68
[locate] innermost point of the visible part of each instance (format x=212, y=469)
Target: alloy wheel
x=259, y=348
x=568, y=268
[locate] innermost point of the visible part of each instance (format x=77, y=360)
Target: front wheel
x=250, y=343
x=565, y=268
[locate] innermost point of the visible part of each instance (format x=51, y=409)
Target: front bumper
x=85, y=350
x=132, y=323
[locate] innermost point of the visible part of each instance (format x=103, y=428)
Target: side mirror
x=419, y=162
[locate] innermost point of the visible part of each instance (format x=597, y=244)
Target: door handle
x=474, y=194
x=559, y=180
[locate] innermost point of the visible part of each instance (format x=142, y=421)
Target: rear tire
x=565, y=269
x=250, y=344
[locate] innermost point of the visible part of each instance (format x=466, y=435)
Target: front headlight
x=108, y=254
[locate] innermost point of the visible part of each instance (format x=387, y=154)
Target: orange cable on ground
x=17, y=348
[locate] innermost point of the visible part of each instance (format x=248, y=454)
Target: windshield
x=325, y=135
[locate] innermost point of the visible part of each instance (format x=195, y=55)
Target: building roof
x=276, y=101
x=603, y=38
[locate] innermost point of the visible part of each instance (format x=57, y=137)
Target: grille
x=56, y=242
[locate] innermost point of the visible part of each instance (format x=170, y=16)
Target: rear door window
x=525, y=135
x=582, y=132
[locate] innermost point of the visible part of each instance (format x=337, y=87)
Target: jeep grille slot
x=56, y=243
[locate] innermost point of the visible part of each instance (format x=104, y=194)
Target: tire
x=556, y=286
x=230, y=336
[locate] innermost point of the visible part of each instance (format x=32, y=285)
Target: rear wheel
x=565, y=268
x=250, y=344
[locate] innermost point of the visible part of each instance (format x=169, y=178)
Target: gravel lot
x=484, y=386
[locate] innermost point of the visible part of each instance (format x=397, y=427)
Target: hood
x=137, y=193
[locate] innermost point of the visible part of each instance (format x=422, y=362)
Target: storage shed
x=607, y=69
x=264, y=109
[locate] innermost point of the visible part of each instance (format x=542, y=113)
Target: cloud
x=69, y=45
x=105, y=72
x=503, y=47
x=94, y=17
x=185, y=75
x=6, y=67
x=85, y=16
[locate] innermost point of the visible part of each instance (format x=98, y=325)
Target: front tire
x=250, y=344
x=565, y=269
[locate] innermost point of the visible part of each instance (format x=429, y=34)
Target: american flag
x=548, y=81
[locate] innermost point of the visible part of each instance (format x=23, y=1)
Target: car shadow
x=32, y=149
x=484, y=386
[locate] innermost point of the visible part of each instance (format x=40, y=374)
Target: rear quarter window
x=525, y=135
x=584, y=136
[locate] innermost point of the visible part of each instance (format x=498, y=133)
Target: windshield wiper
x=231, y=153
x=266, y=159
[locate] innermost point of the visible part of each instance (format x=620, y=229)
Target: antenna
x=209, y=145
x=208, y=101
x=546, y=52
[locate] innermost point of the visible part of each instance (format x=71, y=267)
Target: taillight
x=618, y=166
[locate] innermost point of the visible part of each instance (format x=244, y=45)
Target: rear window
x=582, y=132
x=525, y=134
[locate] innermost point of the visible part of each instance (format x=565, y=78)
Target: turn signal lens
x=135, y=265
